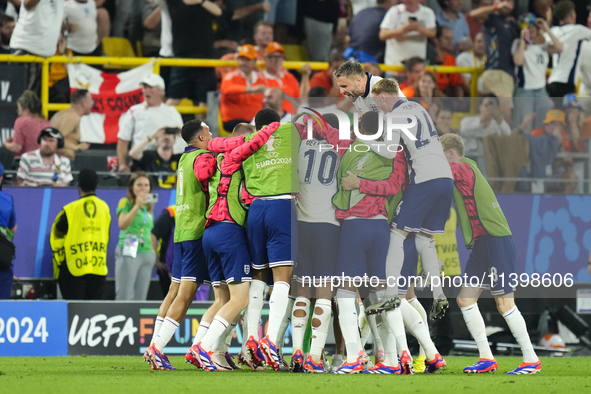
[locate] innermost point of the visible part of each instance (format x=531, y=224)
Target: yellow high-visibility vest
x=84, y=248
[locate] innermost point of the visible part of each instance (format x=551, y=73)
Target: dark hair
x=4, y=19
x=351, y=68
x=78, y=95
x=439, y=31
x=409, y=64
x=132, y=179
x=442, y=108
x=317, y=91
x=259, y=24
x=331, y=119
x=563, y=9
x=370, y=122
x=88, y=180
x=489, y=95
x=29, y=100
x=265, y=117
x=191, y=129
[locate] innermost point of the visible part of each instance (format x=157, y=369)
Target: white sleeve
x=387, y=149
x=177, y=119
x=505, y=128
x=126, y=124
x=583, y=32
x=470, y=126
x=390, y=20
x=514, y=46
x=430, y=20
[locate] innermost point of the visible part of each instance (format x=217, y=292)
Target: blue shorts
x=227, y=256
x=268, y=233
x=363, y=248
x=189, y=262
x=491, y=255
x=318, y=250
x=425, y=207
x=410, y=265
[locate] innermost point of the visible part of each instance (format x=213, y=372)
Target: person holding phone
x=134, y=257
x=530, y=55
x=163, y=160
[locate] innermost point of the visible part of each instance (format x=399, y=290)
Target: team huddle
x=278, y=203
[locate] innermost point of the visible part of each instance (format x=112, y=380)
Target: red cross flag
x=113, y=95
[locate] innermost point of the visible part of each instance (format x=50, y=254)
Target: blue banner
x=33, y=328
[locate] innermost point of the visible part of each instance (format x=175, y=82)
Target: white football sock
x=320, y=326
x=157, y=325
x=415, y=303
x=518, y=328
x=233, y=325
x=298, y=324
x=396, y=324
x=201, y=331
x=284, y=324
x=214, y=334
x=254, y=308
x=166, y=332
x=394, y=261
x=475, y=324
x=364, y=327
x=389, y=341
x=426, y=248
x=244, y=331
x=348, y=322
x=277, y=308
x=375, y=332
x=414, y=323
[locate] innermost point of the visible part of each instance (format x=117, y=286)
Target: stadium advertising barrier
x=125, y=328
x=33, y=328
x=552, y=232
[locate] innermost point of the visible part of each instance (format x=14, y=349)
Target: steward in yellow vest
x=79, y=240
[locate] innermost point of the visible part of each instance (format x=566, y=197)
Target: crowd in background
x=516, y=41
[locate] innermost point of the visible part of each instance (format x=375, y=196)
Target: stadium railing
x=158, y=62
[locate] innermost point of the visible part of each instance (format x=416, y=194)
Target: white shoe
x=220, y=362
x=337, y=362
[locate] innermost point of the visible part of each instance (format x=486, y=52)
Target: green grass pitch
x=98, y=374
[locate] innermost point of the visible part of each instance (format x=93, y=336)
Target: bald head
x=273, y=98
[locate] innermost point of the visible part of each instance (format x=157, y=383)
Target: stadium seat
x=458, y=116
x=296, y=53
x=117, y=47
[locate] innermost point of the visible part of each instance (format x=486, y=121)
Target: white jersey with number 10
x=318, y=163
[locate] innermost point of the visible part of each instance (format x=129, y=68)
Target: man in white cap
x=142, y=120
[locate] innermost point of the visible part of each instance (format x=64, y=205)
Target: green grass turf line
x=96, y=374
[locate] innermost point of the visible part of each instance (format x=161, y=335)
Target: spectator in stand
x=364, y=32
x=80, y=24
x=27, y=126
x=373, y=68
x=141, y=120
x=128, y=18
x=103, y=21
x=320, y=20
x=413, y=68
x=451, y=85
x=426, y=93
x=7, y=24
x=241, y=18
x=452, y=18
x=134, y=257
x=542, y=9
x=277, y=76
x=585, y=68
x=573, y=123
x=263, y=36
x=473, y=58
x=161, y=160
x=562, y=79
x=499, y=30
x=67, y=121
x=242, y=90
x=443, y=121
x=360, y=5
x=43, y=166
x=406, y=28
x=10, y=7
x=192, y=18
x=273, y=98
x=36, y=33
x=151, y=20
x=489, y=121
x=475, y=26
x=324, y=79
x=531, y=55
x=59, y=85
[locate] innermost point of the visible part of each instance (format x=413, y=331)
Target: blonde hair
x=387, y=86
x=350, y=69
x=242, y=129
x=452, y=141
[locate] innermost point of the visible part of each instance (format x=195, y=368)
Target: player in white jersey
x=318, y=238
x=562, y=80
x=356, y=84
x=425, y=204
